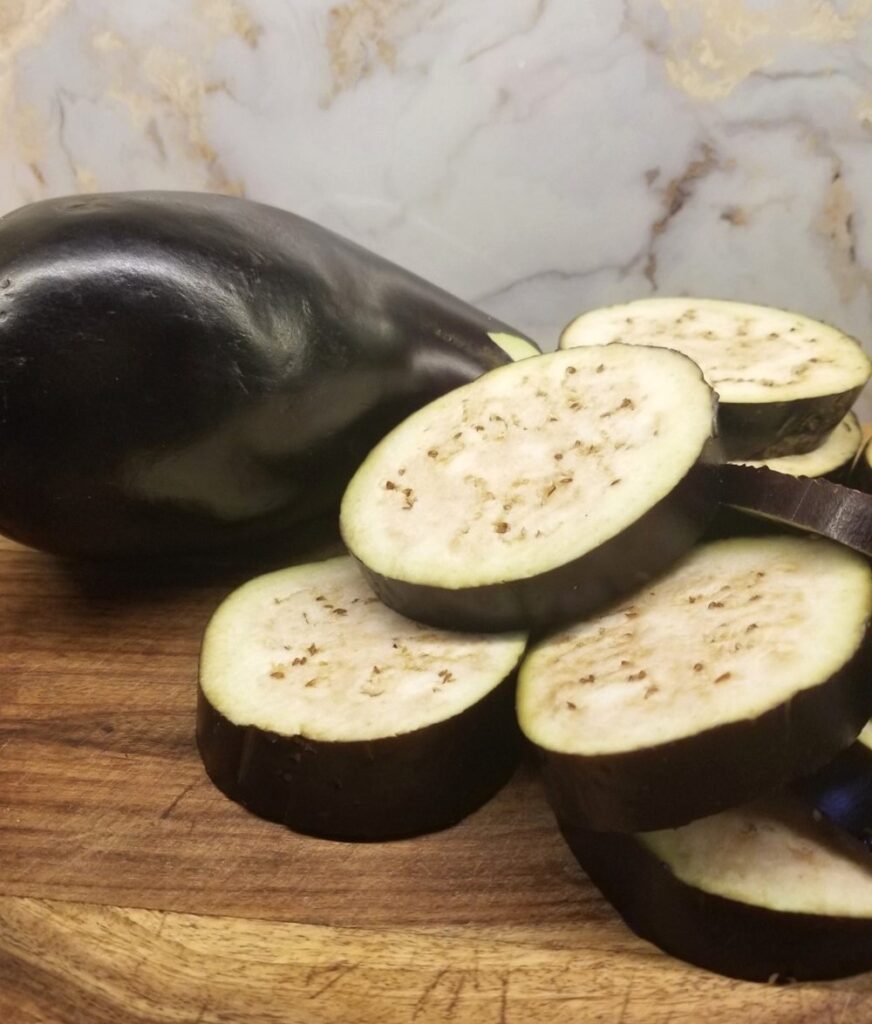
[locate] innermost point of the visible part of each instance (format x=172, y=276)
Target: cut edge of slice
x=515, y=504
x=791, y=929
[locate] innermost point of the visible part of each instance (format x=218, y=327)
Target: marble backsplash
x=538, y=157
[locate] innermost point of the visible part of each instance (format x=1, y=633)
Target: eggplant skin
x=748, y=942
x=183, y=372
x=861, y=475
x=769, y=430
x=394, y=787
x=662, y=786
x=626, y=561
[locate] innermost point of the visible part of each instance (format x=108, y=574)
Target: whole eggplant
x=183, y=371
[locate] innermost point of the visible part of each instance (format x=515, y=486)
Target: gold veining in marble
x=359, y=38
x=714, y=45
x=230, y=18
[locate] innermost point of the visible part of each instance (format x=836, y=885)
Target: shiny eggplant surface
x=186, y=372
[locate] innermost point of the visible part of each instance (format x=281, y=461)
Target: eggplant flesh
x=186, y=371
x=784, y=381
x=750, y=657
x=535, y=494
x=324, y=711
x=762, y=893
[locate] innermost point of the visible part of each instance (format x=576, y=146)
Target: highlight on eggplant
x=185, y=371
x=842, y=789
x=783, y=380
x=750, y=658
x=323, y=710
x=763, y=892
x=539, y=492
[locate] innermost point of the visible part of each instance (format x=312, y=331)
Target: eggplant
x=861, y=476
x=783, y=381
x=186, y=372
x=539, y=492
x=762, y=893
x=323, y=710
x=842, y=789
x=818, y=506
x=743, y=668
x=833, y=459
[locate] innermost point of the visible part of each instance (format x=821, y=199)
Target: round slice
x=744, y=667
x=540, y=492
x=833, y=458
x=784, y=381
x=321, y=709
x=762, y=892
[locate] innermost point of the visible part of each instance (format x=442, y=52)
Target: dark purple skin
x=861, y=477
x=753, y=943
x=185, y=372
x=817, y=506
x=664, y=787
x=767, y=430
x=570, y=592
x=370, y=791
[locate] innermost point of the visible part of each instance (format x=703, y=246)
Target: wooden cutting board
x=132, y=892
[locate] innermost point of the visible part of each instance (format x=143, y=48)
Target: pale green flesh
x=529, y=467
x=769, y=854
x=311, y=651
x=514, y=347
x=739, y=627
x=747, y=353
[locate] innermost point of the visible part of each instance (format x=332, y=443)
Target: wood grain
x=131, y=891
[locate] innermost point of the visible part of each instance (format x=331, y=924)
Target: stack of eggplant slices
x=649, y=551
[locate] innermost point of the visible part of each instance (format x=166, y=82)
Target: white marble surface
x=538, y=157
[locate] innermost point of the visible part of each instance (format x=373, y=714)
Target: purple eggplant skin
x=187, y=372
x=393, y=787
x=662, y=787
x=861, y=475
x=567, y=593
x=768, y=430
x=752, y=943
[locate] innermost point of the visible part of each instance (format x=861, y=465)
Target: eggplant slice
x=762, y=892
x=818, y=506
x=783, y=381
x=842, y=789
x=323, y=710
x=861, y=477
x=743, y=668
x=540, y=492
x=184, y=372
x=832, y=459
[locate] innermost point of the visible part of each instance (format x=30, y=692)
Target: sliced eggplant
x=842, y=789
x=538, y=493
x=783, y=381
x=861, y=477
x=832, y=459
x=323, y=710
x=743, y=668
x=185, y=371
x=762, y=892
x=817, y=506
